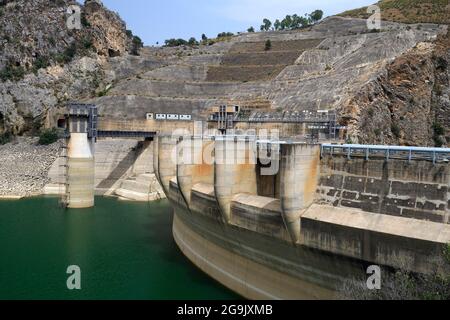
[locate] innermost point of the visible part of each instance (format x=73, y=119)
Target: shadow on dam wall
x=123, y=167
x=115, y=161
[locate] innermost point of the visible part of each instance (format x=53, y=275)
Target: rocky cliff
x=389, y=86
x=408, y=104
x=44, y=63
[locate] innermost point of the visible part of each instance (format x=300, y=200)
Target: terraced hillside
x=250, y=61
x=323, y=67
x=408, y=11
x=43, y=64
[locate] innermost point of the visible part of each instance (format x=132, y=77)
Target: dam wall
x=115, y=160
x=409, y=189
x=163, y=126
x=251, y=212
x=118, y=159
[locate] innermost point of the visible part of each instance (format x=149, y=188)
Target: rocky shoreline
x=24, y=167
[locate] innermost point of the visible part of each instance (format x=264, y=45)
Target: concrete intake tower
x=80, y=157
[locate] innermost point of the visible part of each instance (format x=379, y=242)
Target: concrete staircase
x=142, y=188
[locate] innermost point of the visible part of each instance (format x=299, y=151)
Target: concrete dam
x=281, y=218
x=297, y=226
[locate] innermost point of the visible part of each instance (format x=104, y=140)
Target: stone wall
x=418, y=190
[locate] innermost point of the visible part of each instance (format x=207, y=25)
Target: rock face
x=108, y=31
x=408, y=11
x=390, y=86
x=408, y=102
x=336, y=64
x=24, y=167
x=36, y=29
x=25, y=105
x=43, y=63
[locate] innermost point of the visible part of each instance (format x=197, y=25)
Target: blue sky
x=158, y=20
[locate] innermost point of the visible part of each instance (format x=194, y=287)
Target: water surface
x=125, y=251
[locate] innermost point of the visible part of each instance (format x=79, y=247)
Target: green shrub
x=48, y=136
x=87, y=43
x=175, y=42
x=136, y=43
x=84, y=22
x=193, y=42
x=441, y=63
x=268, y=45
x=67, y=55
x=438, y=129
x=12, y=72
x=40, y=63
x=438, y=141
x=225, y=34
x=5, y=138
x=395, y=130
x=446, y=252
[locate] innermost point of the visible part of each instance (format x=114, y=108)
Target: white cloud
x=252, y=11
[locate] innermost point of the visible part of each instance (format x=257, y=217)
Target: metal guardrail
x=125, y=134
x=215, y=118
x=387, y=152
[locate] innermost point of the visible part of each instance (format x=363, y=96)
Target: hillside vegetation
x=44, y=63
x=34, y=35
x=408, y=11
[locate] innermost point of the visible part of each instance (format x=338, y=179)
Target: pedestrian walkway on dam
x=389, y=152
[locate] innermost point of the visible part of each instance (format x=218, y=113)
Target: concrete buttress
x=235, y=171
x=299, y=170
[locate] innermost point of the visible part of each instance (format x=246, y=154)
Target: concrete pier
x=191, y=167
x=80, y=173
x=299, y=171
x=235, y=171
x=165, y=166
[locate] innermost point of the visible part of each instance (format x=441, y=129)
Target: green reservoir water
x=125, y=251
